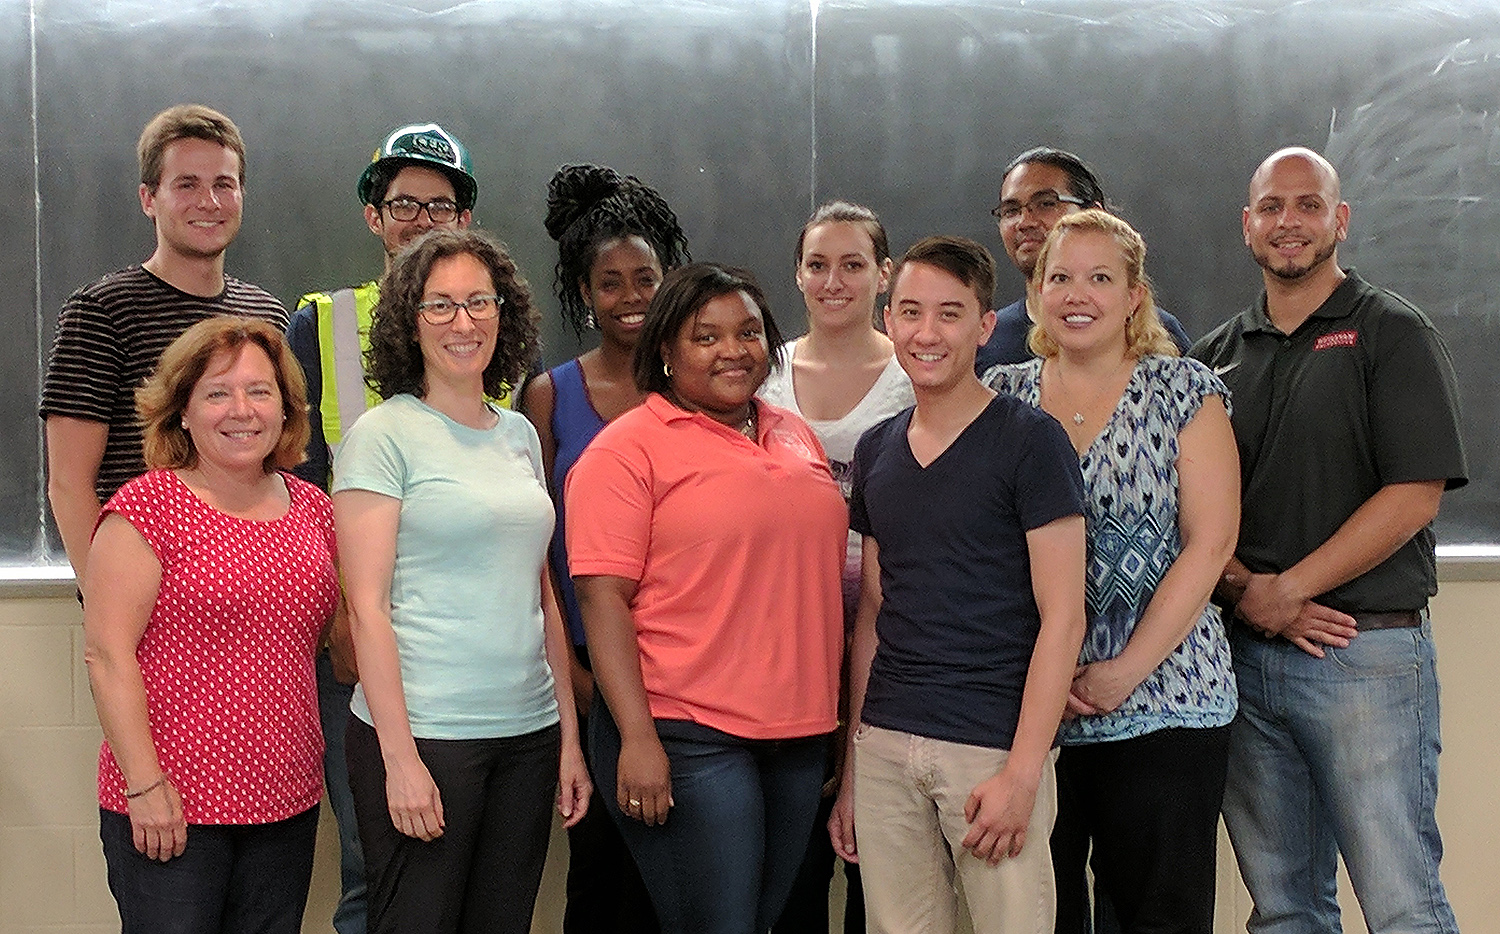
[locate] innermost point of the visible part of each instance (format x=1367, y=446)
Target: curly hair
x=1144, y=332
x=682, y=294
x=591, y=205
x=393, y=363
x=163, y=399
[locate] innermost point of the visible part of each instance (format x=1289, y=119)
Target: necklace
x=748, y=426
x=1062, y=383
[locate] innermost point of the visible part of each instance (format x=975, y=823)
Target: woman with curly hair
x=463, y=721
x=615, y=238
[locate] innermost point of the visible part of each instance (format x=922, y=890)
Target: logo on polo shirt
x=1336, y=339
x=793, y=442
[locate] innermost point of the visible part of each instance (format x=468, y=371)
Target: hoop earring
x=588, y=321
x=666, y=369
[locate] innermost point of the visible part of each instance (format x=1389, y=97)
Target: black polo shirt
x=1360, y=396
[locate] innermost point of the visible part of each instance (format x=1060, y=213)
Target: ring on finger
x=635, y=802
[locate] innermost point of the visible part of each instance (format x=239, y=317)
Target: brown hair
x=1144, y=332
x=162, y=401
x=184, y=121
x=394, y=364
x=847, y=212
x=965, y=260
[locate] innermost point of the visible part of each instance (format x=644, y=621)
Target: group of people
x=937, y=593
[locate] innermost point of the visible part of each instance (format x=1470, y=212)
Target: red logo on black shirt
x=1336, y=339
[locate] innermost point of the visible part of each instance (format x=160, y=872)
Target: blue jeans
x=333, y=710
x=1338, y=755
x=231, y=878
x=726, y=858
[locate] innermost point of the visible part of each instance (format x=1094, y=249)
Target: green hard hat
x=430, y=144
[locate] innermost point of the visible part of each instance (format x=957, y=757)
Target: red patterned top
x=227, y=656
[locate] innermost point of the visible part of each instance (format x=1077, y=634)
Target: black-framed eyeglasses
x=478, y=308
x=441, y=211
x=1045, y=201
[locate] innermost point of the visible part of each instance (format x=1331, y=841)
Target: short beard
x=1296, y=273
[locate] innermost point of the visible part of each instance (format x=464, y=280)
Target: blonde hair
x=162, y=401
x=1144, y=332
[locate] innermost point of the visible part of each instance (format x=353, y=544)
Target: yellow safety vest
x=343, y=338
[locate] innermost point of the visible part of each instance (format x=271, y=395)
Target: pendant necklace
x=1063, y=385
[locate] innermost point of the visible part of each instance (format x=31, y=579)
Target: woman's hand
x=156, y=822
x=574, y=786
x=412, y=797
x=643, y=785
x=1101, y=687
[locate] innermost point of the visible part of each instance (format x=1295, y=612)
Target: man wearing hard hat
x=421, y=178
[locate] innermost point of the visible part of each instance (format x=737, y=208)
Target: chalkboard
x=745, y=114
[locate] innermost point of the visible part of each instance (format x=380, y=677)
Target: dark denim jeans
x=725, y=860
x=333, y=709
x=231, y=879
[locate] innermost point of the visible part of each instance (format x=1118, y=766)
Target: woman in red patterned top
x=210, y=580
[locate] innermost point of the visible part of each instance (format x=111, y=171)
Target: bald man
x=1346, y=417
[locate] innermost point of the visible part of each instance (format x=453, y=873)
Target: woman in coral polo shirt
x=705, y=538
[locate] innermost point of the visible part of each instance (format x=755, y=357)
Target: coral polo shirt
x=736, y=548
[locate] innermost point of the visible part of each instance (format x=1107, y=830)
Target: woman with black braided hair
x=616, y=237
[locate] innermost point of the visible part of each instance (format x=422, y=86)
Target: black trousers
x=807, y=910
x=481, y=876
x=605, y=891
x=1150, y=808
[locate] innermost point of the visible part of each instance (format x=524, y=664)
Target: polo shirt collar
x=1338, y=305
x=767, y=416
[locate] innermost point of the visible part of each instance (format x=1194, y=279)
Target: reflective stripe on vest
x=343, y=338
x=343, y=335
x=348, y=369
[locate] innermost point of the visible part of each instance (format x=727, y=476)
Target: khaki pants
x=909, y=795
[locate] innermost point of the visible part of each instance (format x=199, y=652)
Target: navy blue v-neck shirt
x=959, y=621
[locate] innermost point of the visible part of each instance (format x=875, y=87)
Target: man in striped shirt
x=112, y=332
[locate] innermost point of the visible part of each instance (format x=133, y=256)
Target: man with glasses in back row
x=1040, y=187
x=420, y=179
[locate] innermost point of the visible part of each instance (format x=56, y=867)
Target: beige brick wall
x=52, y=872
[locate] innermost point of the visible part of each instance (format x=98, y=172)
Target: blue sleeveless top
x=574, y=424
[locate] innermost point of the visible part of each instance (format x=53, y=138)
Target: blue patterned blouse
x=1130, y=472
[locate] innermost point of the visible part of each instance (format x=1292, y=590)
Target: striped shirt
x=109, y=338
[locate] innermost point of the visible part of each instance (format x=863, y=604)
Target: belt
x=1393, y=619
x=1364, y=622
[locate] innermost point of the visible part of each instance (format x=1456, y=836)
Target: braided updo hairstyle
x=591, y=205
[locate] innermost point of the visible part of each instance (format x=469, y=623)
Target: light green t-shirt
x=466, y=589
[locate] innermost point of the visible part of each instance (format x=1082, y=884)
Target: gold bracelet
x=160, y=781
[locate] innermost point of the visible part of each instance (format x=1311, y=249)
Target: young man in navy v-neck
x=969, y=626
